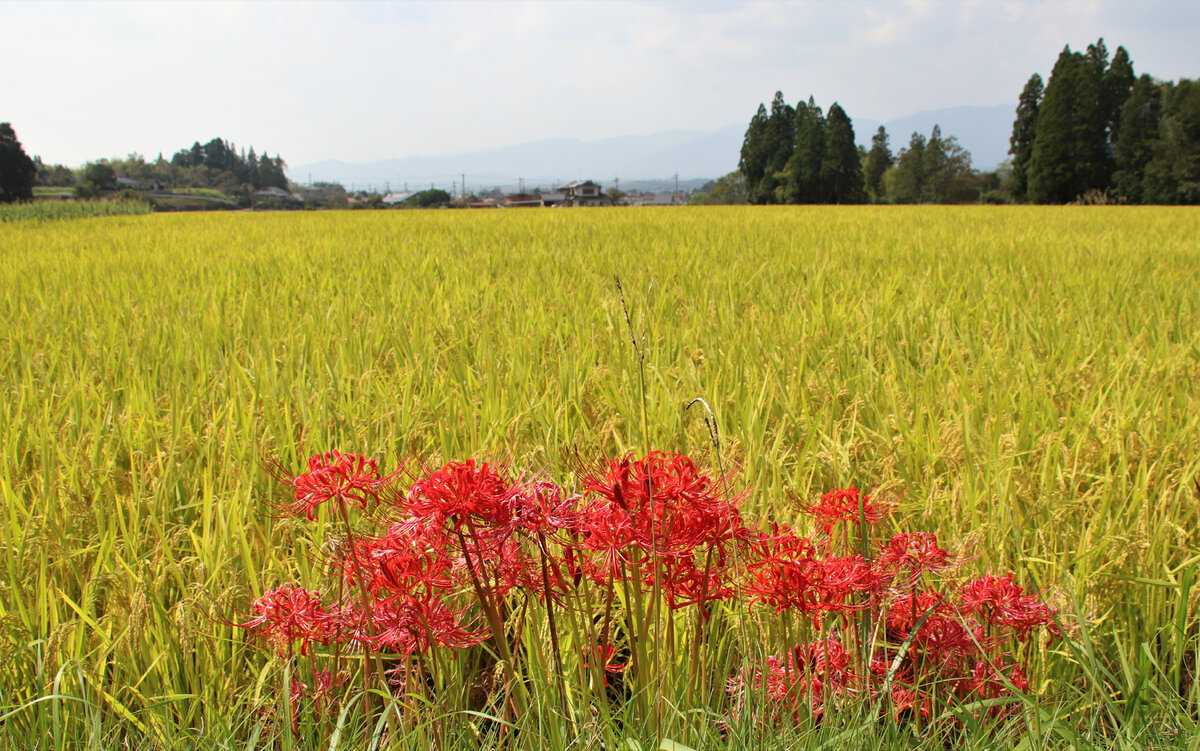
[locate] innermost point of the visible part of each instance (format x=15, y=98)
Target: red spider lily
x=786, y=573
x=1003, y=603
x=408, y=625
x=409, y=559
x=465, y=494
x=842, y=578
x=847, y=505
x=796, y=682
x=323, y=694
x=347, y=479
x=671, y=504
x=991, y=681
x=944, y=636
x=914, y=553
x=506, y=565
x=827, y=664
x=605, y=656
x=659, y=508
x=686, y=580
x=908, y=701
x=544, y=509
x=633, y=483
x=291, y=617
x=606, y=533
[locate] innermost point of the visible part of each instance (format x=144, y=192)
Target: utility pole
x=520, y=185
x=676, y=186
x=387, y=186
x=405, y=186
x=617, y=184
x=464, y=183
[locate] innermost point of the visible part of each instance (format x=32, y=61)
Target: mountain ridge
x=692, y=155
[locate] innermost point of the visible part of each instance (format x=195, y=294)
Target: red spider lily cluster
x=445, y=563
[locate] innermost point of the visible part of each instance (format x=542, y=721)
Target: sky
x=361, y=81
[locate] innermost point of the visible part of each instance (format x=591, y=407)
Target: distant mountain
x=983, y=131
x=696, y=156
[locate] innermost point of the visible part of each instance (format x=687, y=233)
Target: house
x=391, y=199
x=521, y=201
x=661, y=199
x=553, y=199
x=272, y=192
x=583, y=193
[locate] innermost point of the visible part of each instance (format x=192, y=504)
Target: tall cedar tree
x=879, y=158
x=1116, y=87
x=1024, y=129
x=1136, y=138
x=1077, y=124
x=841, y=169
x=1057, y=170
x=1091, y=122
x=779, y=143
x=753, y=161
x=17, y=170
x=803, y=181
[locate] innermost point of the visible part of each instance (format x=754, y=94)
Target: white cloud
x=362, y=81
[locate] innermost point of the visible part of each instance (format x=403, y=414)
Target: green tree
x=428, y=198
x=1116, y=86
x=753, y=161
x=1173, y=174
x=947, y=176
x=1137, y=137
x=53, y=175
x=778, y=144
x=879, y=158
x=1059, y=167
x=1076, y=125
x=96, y=178
x=271, y=173
x=1024, y=130
x=730, y=189
x=802, y=174
x=841, y=170
x=905, y=182
x=17, y=170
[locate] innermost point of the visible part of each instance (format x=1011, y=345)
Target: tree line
x=222, y=157
x=803, y=155
x=1094, y=131
x=217, y=164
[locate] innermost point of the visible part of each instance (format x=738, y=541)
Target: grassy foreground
x=1025, y=377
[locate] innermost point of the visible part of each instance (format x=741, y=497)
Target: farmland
x=1022, y=379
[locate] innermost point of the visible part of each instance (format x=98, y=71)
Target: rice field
x=1022, y=379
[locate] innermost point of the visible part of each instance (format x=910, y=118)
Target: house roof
x=576, y=184
x=392, y=198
